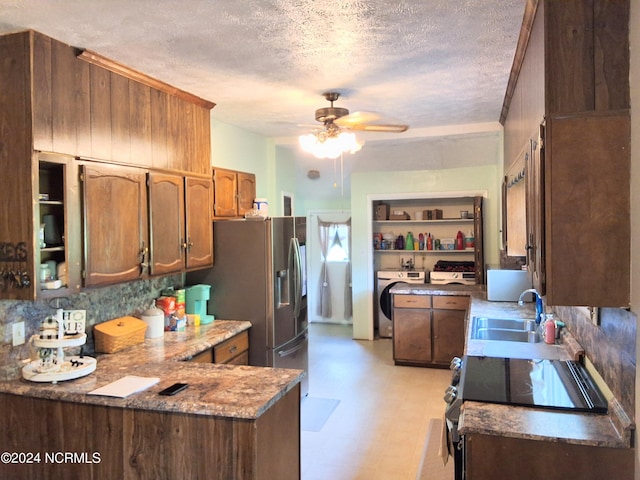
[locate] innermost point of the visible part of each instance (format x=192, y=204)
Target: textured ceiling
x=265, y=63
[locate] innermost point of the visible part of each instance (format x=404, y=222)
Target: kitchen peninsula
x=238, y=422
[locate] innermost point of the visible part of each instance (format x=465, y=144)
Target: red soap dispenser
x=460, y=241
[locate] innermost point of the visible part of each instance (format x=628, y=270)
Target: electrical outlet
x=18, y=333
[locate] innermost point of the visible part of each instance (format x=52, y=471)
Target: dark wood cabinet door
x=246, y=192
x=225, y=184
x=166, y=221
x=412, y=335
x=448, y=335
x=115, y=224
x=199, y=227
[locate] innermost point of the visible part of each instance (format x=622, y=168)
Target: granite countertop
x=611, y=430
x=432, y=289
x=217, y=390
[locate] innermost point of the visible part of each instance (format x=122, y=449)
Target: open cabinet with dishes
x=443, y=236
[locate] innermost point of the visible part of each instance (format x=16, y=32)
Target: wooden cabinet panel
x=166, y=221
x=176, y=133
x=202, y=139
x=203, y=357
x=42, y=113
x=120, y=120
x=412, y=336
x=199, y=228
x=70, y=101
x=140, y=123
x=246, y=192
x=101, y=138
x=225, y=183
x=412, y=301
x=450, y=302
x=115, y=238
x=229, y=350
x=587, y=227
x=159, y=118
x=151, y=445
x=448, y=334
x=490, y=457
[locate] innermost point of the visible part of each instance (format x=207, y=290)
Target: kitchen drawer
x=412, y=301
x=203, y=357
x=231, y=348
x=449, y=302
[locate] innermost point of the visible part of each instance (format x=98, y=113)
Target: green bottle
x=408, y=244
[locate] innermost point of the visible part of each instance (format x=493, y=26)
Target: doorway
x=329, y=267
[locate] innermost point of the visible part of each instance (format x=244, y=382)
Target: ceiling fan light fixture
x=328, y=144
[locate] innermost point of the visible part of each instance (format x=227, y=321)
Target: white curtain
x=329, y=233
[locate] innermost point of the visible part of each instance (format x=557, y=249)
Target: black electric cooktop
x=555, y=384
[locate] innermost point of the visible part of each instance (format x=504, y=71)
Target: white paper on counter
x=125, y=386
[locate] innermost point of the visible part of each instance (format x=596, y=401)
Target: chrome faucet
x=539, y=303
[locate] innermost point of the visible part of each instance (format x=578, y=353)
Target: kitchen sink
x=505, y=334
x=504, y=329
x=504, y=323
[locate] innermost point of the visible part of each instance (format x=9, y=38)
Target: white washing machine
x=385, y=281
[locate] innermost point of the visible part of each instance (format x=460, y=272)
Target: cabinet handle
x=233, y=348
x=144, y=251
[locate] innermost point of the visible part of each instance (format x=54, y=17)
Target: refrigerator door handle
x=282, y=289
x=295, y=260
x=286, y=353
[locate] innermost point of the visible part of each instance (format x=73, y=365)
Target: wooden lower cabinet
x=234, y=351
x=128, y=443
x=428, y=330
x=490, y=457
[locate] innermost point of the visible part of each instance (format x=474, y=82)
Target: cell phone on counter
x=173, y=389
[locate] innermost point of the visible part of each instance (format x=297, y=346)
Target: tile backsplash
x=101, y=304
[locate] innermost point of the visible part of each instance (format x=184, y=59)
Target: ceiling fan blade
x=370, y=122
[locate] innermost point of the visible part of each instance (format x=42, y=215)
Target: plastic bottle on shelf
x=400, y=242
x=469, y=240
x=549, y=329
x=408, y=244
x=460, y=241
x=429, y=242
x=421, y=241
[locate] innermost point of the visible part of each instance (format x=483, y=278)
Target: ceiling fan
x=363, y=121
x=334, y=138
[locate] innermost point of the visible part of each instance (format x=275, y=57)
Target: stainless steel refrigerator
x=259, y=274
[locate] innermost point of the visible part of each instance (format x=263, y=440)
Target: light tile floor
x=378, y=430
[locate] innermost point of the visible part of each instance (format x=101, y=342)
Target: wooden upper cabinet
x=199, y=228
x=234, y=192
x=246, y=192
x=225, y=183
x=586, y=217
x=573, y=60
x=166, y=221
x=181, y=235
x=115, y=224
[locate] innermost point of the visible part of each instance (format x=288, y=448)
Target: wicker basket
x=118, y=334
